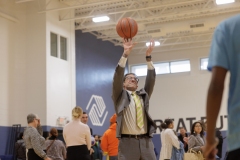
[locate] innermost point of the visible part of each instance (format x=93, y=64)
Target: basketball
x=127, y=28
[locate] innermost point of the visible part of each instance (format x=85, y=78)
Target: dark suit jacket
x=121, y=98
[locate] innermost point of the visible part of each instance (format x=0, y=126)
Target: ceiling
x=176, y=24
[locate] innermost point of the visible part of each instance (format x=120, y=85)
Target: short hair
x=129, y=74
x=183, y=128
x=31, y=117
x=77, y=112
x=84, y=113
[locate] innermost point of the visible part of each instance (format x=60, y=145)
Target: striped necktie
x=139, y=111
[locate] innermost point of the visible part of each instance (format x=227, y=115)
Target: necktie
x=139, y=111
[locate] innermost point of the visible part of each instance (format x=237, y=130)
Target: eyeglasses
x=130, y=78
x=199, y=126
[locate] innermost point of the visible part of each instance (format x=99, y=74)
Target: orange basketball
x=127, y=28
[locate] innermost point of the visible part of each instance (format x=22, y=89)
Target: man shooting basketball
x=134, y=124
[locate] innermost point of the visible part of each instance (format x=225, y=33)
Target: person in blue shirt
x=224, y=57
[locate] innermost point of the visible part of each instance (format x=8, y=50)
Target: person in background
x=97, y=154
x=196, y=140
x=34, y=142
x=182, y=136
x=20, y=148
x=77, y=137
x=168, y=139
x=109, y=144
x=55, y=148
x=84, y=120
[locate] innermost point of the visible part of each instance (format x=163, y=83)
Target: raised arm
x=119, y=71
x=151, y=74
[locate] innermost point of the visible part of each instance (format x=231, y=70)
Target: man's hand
x=150, y=47
x=128, y=46
x=209, y=150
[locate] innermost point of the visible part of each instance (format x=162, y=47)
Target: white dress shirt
x=169, y=139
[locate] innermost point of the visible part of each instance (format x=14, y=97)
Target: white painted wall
x=61, y=90
x=36, y=62
x=31, y=81
x=180, y=95
x=12, y=63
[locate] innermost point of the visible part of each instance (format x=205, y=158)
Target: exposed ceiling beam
x=22, y=1
x=134, y=9
x=8, y=17
x=77, y=6
x=173, y=49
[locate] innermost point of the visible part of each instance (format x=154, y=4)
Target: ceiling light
x=219, y=2
x=156, y=43
x=100, y=19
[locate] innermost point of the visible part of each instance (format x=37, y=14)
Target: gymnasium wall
x=32, y=81
x=13, y=70
x=96, y=61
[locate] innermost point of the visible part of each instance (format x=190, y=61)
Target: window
x=54, y=46
x=139, y=70
x=203, y=63
x=58, y=46
x=163, y=68
x=219, y=2
x=63, y=48
x=180, y=66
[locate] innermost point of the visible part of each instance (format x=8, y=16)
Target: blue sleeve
x=219, y=50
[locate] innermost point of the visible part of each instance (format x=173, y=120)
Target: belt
x=139, y=136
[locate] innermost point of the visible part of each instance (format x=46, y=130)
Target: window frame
x=200, y=62
x=169, y=64
x=66, y=47
x=57, y=45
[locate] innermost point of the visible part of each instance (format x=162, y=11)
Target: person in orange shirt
x=109, y=143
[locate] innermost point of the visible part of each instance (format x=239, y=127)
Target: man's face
x=182, y=131
x=36, y=121
x=96, y=138
x=131, y=82
x=84, y=118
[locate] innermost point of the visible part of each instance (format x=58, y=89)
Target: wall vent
x=154, y=31
x=197, y=25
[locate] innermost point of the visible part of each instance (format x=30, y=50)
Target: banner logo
x=97, y=113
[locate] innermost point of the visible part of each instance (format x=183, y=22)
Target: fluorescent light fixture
x=219, y=2
x=100, y=19
x=156, y=43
